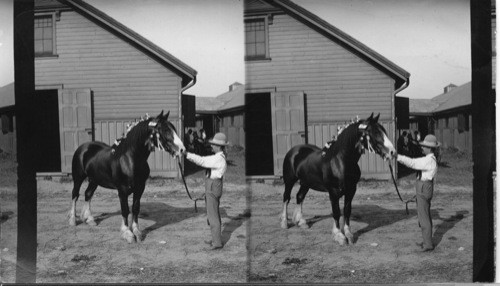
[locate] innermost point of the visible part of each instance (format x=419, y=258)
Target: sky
x=428, y=38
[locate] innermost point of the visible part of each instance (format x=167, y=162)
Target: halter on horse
x=336, y=171
x=123, y=167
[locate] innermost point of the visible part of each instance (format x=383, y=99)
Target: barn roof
x=7, y=97
x=307, y=17
x=459, y=96
x=186, y=72
x=228, y=101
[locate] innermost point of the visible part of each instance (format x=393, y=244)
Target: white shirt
x=216, y=163
x=427, y=165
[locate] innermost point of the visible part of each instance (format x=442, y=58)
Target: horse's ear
x=376, y=118
x=160, y=115
x=166, y=116
x=370, y=118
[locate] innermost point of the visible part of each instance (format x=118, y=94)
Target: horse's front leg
x=347, y=214
x=136, y=208
x=125, y=231
x=336, y=231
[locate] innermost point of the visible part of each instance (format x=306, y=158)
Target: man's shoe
x=214, y=248
x=427, y=249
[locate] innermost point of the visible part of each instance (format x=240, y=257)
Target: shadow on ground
x=375, y=217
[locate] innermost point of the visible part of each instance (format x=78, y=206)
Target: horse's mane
x=348, y=136
x=135, y=131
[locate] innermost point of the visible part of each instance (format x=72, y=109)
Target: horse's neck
x=348, y=152
x=138, y=145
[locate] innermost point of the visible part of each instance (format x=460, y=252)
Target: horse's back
x=86, y=151
x=296, y=155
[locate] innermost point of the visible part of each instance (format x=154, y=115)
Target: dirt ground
x=384, y=250
x=256, y=248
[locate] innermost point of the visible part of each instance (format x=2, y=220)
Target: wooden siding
x=8, y=141
x=338, y=84
x=232, y=125
x=160, y=163
x=126, y=82
x=450, y=137
x=372, y=166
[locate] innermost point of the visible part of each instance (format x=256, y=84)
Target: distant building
x=7, y=119
x=448, y=116
x=223, y=113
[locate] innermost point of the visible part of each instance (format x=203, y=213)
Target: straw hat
x=219, y=139
x=430, y=141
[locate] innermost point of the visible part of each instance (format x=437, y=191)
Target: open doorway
x=48, y=146
x=258, y=131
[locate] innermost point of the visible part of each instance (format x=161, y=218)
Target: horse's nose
x=393, y=153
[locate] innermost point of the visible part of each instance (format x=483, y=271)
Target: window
x=45, y=40
x=256, y=46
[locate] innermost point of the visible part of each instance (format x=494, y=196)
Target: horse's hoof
x=350, y=238
x=128, y=236
x=91, y=222
x=284, y=224
x=303, y=224
x=340, y=239
x=72, y=221
x=138, y=235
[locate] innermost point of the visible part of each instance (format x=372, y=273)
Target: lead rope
x=187, y=191
x=397, y=190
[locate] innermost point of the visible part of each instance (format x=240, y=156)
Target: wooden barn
x=93, y=75
x=304, y=77
x=223, y=113
x=448, y=116
x=7, y=120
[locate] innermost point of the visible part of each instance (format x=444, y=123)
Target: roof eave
x=399, y=73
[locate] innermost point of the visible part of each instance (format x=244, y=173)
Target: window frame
x=266, y=38
x=55, y=16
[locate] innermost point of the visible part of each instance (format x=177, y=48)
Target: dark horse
x=335, y=171
x=123, y=167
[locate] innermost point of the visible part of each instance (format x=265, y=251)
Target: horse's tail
x=289, y=174
x=77, y=168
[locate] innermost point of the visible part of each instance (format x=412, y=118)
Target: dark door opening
x=258, y=132
x=48, y=146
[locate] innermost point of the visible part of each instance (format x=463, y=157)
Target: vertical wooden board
x=242, y=137
x=105, y=132
x=98, y=131
x=318, y=136
x=112, y=131
x=326, y=133
x=158, y=160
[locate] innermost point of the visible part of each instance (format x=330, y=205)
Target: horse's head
x=166, y=135
x=374, y=138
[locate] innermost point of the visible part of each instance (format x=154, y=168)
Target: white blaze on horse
x=335, y=171
x=123, y=167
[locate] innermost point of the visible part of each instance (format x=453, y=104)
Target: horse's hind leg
x=298, y=218
x=77, y=183
x=286, y=199
x=86, y=215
